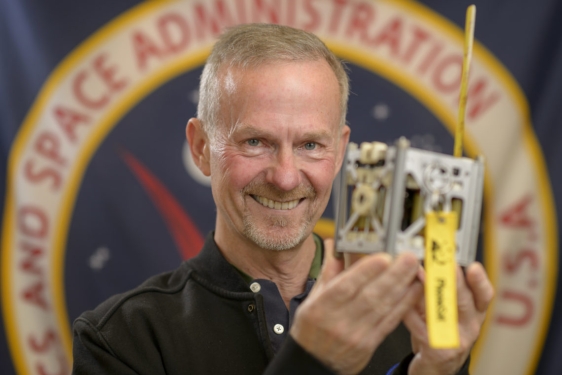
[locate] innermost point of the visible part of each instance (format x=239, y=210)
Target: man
x=271, y=134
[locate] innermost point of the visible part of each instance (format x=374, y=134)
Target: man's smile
x=288, y=205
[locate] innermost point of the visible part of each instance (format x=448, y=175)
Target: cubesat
x=385, y=193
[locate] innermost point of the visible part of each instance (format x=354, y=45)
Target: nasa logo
x=75, y=158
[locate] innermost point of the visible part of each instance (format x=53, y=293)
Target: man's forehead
x=274, y=76
x=242, y=88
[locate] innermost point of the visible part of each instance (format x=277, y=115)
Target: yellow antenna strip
x=440, y=231
x=467, y=57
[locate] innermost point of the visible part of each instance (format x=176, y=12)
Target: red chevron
x=187, y=237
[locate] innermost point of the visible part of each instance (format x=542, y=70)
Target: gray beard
x=268, y=242
x=272, y=242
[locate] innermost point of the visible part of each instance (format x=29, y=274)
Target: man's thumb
x=333, y=264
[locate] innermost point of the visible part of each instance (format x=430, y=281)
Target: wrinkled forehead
x=271, y=83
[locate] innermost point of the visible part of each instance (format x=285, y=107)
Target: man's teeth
x=277, y=205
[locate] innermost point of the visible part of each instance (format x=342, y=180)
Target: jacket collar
x=211, y=266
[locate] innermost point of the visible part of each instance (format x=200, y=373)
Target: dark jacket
x=201, y=318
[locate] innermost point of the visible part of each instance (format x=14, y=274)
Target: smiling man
x=271, y=134
x=275, y=155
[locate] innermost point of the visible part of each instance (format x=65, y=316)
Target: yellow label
x=441, y=281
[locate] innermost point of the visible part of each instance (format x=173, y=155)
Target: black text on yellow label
x=440, y=284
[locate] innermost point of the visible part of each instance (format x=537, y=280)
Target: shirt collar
x=315, y=267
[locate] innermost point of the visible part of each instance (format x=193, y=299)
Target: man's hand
x=350, y=312
x=474, y=295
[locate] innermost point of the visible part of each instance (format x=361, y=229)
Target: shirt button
x=278, y=328
x=255, y=287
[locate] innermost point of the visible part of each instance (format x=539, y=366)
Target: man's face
x=274, y=158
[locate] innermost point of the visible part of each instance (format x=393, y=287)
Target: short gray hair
x=252, y=45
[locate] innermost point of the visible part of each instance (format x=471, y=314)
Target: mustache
x=270, y=191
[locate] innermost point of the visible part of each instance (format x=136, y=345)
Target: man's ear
x=344, y=140
x=198, y=145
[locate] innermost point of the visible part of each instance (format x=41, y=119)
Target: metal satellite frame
x=389, y=189
x=393, y=188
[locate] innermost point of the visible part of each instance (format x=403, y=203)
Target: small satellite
x=385, y=193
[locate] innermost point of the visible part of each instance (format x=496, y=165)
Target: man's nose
x=284, y=173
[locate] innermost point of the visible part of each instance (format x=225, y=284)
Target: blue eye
x=310, y=146
x=253, y=142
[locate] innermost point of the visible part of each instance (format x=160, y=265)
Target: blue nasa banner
x=101, y=193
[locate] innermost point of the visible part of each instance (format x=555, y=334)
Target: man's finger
x=367, y=269
x=406, y=305
x=465, y=296
x=332, y=265
x=402, y=271
x=353, y=280
x=480, y=285
x=386, y=293
x=414, y=320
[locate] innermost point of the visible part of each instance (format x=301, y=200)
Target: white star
x=381, y=111
x=99, y=258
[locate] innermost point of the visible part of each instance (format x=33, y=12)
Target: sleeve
x=92, y=354
x=293, y=359
x=402, y=367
